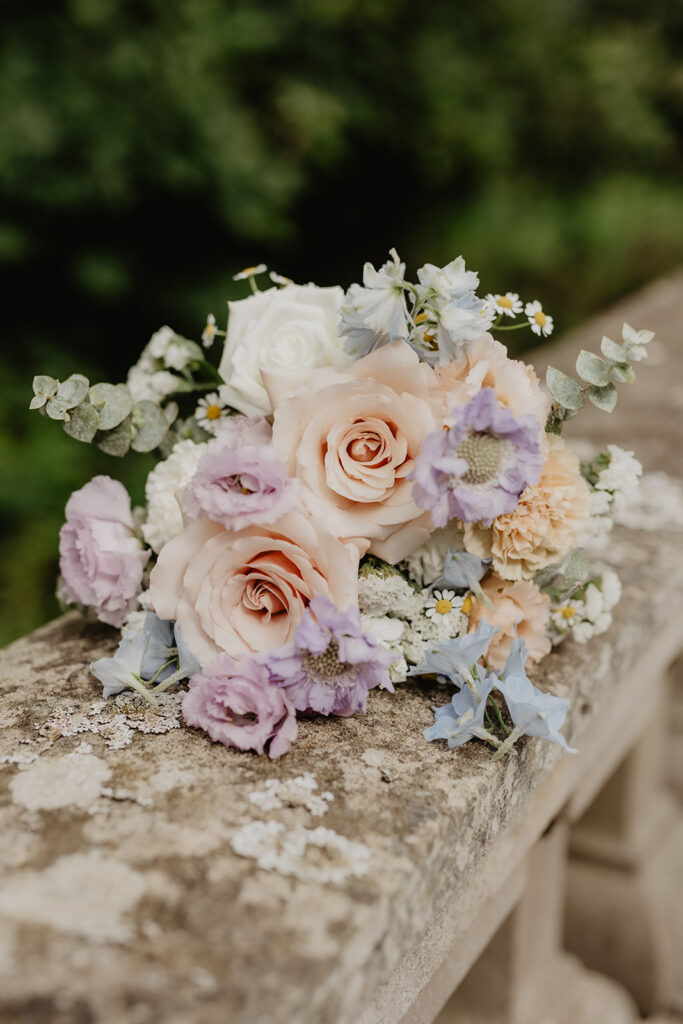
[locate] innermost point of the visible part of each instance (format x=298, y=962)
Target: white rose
x=290, y=328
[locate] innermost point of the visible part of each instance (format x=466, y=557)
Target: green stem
x=512, y=327
x=499, y=717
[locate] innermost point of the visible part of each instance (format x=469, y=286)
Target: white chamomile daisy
x=443, y=604
x=209, y=411
x=249, y=272
x=209, y=332
x=509, y=304
x=279, y=279
x=539, y=321
x=566, y=615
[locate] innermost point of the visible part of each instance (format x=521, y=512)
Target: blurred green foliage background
x=151, y=148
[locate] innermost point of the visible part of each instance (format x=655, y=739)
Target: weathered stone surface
x=121, y=896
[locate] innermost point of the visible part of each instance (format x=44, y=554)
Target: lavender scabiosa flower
x=478, y=468
x=240, y=480
x=331, y=664
x=238, y=706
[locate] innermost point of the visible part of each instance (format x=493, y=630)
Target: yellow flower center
x=569, y=612
x=420, y=318
x=467, y=605
x=540, y=318
x=444, y=606
x=250, y=270
x=504, y=302
x=213, y=412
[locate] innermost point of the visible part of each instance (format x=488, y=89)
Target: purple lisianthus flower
x=478, y=468
x=331, y=664
x=238, y=706
x=101, y=560
x=240, y=480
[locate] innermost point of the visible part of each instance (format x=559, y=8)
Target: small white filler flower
x=509, y=304
x=209, y=412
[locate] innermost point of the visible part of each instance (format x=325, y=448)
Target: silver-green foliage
x=598, y=377
x=104, y=413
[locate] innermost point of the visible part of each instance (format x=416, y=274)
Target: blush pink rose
x=244, y=591
x=351, y=436
x=100, y=558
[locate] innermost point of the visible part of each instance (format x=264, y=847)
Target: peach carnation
x=545, y=525
x=487, y=365
x=521, y=604
x=241, y=591
x=351, y=436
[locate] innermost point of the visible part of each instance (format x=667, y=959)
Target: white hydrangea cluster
x=150, y=379
x=164, y=518
x=590, y=614
x=405, y=621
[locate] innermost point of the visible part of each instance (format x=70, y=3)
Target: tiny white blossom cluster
x=588, y=614
x=405, y=621
x=614, y=489
x=150, y=379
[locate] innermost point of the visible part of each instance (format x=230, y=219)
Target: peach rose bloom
x=245, y=591
x=487, y=365
x=520, y=603
x=545, y=525
x=351, y=435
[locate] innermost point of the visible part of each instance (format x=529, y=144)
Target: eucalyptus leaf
x=82, y=423
x=73, y=390
x=56, y=408
x=44, y=385
x=150, y=425
x=564, y=389
x=604, y=398
x=577, y=567
x=622, y=373
x=592, y=369
x=611, y=350
x=545, y=576
x=117, y=441
x=113, y=404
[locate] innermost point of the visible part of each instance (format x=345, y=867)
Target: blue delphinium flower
x=154, y=655
x=478, y=468
x=375, y=313
x=455, y=315
x=456, y=658
x=463, y=719
x=533, y=712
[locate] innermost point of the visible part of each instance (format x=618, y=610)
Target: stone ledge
x=121, y=898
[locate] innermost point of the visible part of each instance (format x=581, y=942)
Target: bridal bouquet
x=365, y=488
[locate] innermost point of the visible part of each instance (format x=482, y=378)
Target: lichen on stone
x=311, y=855
x=296, y=792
